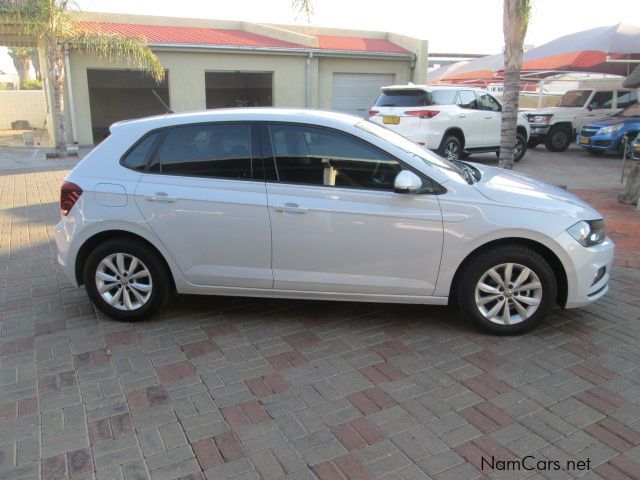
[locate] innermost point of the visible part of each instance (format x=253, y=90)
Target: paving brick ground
x=221, y=388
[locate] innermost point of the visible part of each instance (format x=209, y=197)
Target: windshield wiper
x=469, y=173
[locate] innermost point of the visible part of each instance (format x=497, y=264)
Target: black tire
x=533, y=142
x=475, y=269
x=558, y=139
x=595, y=152
x=520, y=141
x=158, y=278
x=449, y=144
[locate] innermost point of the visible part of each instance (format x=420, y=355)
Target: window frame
x=618, y=93
x=256, y=155
x=151, y=153
x=613, y=97
x=430, y=187
x=459, y=99
x=478, y=94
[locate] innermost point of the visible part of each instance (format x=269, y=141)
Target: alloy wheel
x=508, y=293
x=123, y=281
x=452, y=151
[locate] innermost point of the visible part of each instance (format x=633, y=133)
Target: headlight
x=540, y=118
x=588, y=232
x=609, y=130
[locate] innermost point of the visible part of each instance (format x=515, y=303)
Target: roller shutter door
x=355, y=93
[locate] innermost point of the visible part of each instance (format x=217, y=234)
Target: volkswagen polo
x=319, y=205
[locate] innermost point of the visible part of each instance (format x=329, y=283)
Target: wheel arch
x=522, y=130
x=453, y=132
x=90, y=244
x=545, y=252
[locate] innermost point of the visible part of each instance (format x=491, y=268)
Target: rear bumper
x=63, y=243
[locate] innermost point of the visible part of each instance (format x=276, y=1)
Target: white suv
x=454, y=121
x=307, y=204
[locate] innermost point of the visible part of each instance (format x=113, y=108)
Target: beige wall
x=187, y=79
x=22, y=105
x=327, y=66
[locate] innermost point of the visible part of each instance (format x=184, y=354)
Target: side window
x=601, y=100
x=136, y=158
x=207, y=150
x=318, y=156
x=627, y=98
x=467, y=99
x=443, y=97
x=487, y=102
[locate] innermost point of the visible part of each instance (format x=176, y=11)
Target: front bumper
x=589, y=272
x=598, y=142
x=539, y=129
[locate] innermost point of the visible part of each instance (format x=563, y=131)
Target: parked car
x=455, y=121
x=635, y=148
x=557, y=126
x=319, y=205
x=607, y=135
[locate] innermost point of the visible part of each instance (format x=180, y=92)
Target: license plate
x=391, y=120
x=636, y=148
x=585, y=141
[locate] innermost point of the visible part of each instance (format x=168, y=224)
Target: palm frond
x=118, y=47
x=303, y=7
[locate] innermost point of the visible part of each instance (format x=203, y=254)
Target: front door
x=206, y=201
x=600, y=106
x=492, y=116
x=337, y=225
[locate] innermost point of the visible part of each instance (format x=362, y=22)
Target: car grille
x=587, y=133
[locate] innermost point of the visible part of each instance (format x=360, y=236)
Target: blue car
x=606, y=135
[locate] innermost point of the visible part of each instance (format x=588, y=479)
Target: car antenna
x=162, y=101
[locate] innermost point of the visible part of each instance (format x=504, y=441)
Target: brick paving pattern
x=241, y=388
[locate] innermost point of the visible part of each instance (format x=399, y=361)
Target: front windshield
x=631, y=111
x=574, y=98
x=408, y=146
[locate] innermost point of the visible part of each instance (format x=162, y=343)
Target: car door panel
x=216, y=229
x=334, y=238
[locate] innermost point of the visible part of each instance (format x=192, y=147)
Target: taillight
x=373, y=112
x=423, y=113
x=69, y=195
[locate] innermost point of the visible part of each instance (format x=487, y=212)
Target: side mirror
x=407, y=182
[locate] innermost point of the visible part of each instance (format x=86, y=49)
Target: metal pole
x=624, y=157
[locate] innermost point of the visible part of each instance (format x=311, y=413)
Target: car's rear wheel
x=451, y=148
x=507, y=290
x=558, y=139
x=519, y=150
x=126, y=280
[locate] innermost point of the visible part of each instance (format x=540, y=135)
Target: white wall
x=22, y=105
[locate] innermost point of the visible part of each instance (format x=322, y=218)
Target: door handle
x=161, y=197
x=488, y=117
x=462, y=115
x=290, y=208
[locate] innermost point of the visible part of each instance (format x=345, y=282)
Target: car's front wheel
x=126, y=280
x=558, y=139
x=507, y=290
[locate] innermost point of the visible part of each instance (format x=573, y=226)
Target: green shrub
x=31, y=85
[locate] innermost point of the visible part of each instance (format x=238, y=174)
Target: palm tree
x=515, y=20
x=54, y=28
x=21, y=57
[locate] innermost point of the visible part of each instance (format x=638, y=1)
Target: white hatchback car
x=453, y=120
x=319, y=205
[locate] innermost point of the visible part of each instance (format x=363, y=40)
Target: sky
x=460, y=26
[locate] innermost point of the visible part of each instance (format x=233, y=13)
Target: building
x=211, y=64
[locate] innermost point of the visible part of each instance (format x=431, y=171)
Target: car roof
x=247, y=114
x=430, y=88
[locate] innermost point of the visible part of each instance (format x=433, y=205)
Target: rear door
x=470, y=118
x=492, y=119
x=354, y=93
x=204, y=196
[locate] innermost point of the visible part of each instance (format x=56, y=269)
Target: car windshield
x=415, y=97
x=630, y=111
x=444, y=166
x=574, y=98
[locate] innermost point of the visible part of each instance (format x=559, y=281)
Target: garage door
x=355, y=93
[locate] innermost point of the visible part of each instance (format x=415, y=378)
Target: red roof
x=236, y=38
x=189, y=35
x=358, y=44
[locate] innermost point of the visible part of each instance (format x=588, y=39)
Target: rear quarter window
x=137, y=157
